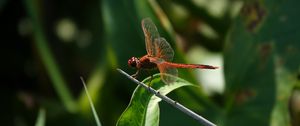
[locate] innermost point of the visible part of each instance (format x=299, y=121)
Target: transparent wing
x=151, y=33
x=168, y=74
x=163, y=49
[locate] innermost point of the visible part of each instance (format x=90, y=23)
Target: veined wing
x=150, y=33
x=163, y=49
x=159, y=50
x=167, y=72
x=155, y=45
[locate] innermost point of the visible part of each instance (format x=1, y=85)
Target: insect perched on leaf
x=159, y=55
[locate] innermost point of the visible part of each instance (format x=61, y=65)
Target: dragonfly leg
x=135, y=74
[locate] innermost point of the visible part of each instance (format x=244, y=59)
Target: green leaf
x=261, y=63
x=143, y=108
x=249, y=73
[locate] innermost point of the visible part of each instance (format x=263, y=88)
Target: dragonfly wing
x=151, y=33
x=163, y=49
x=168, y=74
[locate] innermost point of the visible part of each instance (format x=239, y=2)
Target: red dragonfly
x=159, y=55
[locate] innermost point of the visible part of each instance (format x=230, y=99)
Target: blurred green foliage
x=48, y=45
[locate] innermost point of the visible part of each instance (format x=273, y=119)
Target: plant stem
x=177, y=105
x=91, y=103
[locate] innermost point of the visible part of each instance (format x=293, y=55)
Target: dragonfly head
x=133, y=61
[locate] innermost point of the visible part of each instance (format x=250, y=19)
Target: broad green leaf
x=143, y=109
x=261, y=63
x=285, y=32
x=250, y=79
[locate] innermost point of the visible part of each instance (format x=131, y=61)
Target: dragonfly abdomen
x=199, y=66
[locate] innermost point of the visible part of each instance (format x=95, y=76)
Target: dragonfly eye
x=132, y=62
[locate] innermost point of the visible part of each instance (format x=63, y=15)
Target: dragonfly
x=159, y=55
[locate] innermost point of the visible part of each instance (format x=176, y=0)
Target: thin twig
x=170, y=101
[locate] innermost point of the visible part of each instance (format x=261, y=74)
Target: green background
x=48, y=45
